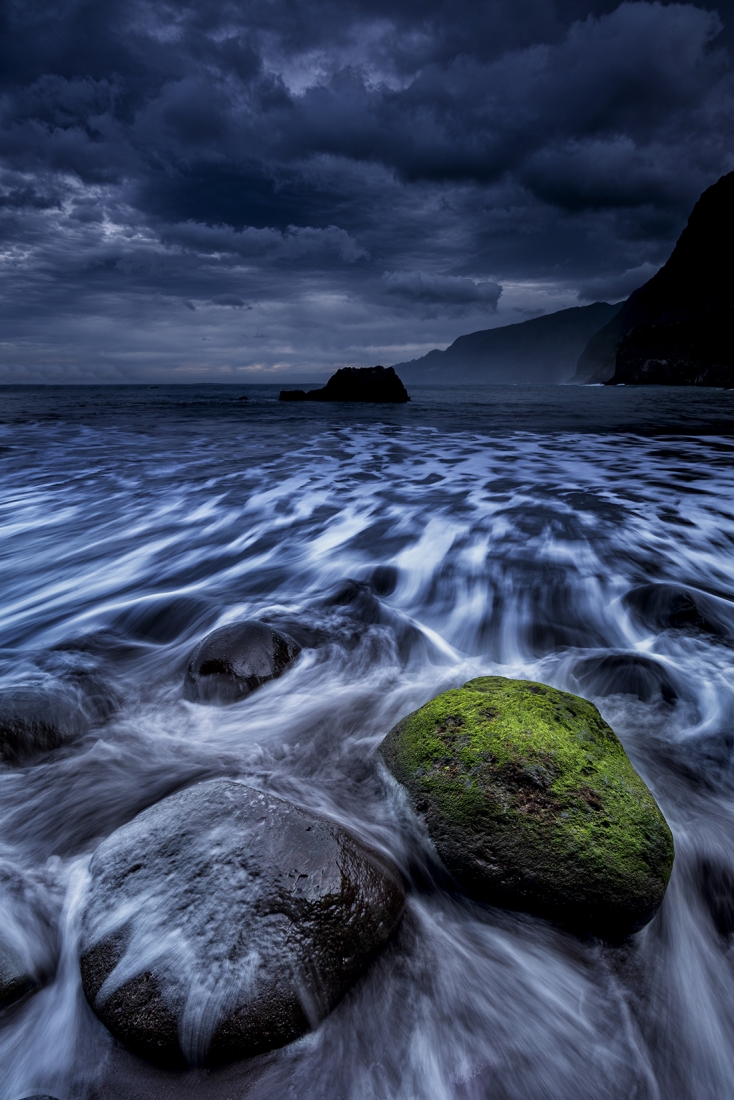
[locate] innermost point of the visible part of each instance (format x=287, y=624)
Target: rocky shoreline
x=224, y=922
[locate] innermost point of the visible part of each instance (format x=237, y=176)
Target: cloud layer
x=230, y=191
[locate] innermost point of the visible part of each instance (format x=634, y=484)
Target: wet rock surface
x=532, y=804
x=715, y=880
x=223, y=922
x=15, y=979
x=160, y=620
x=28, y=934
x=35, y=719
x=363, y=384
x=675, y=607
x=234, y=660
x=625, y=674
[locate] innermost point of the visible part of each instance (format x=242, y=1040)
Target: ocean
x=482, y=530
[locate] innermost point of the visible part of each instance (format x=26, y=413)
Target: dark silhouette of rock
x=35, y=719
x=234, y=660
x=596, y=362
x=223, y=922
x=243, y=398
x=532, y=804
x=676, y=329
x=39, y=1097
x=363, y=384
x=542, y=350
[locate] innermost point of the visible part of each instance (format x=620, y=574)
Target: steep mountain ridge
x=541, y=350
x=677, y=328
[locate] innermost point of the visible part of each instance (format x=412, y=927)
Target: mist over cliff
x=541, y=350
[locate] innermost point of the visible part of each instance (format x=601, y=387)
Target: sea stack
x=363, y=384
x=676, y=329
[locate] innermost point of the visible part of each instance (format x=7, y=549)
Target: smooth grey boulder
x=224, y=922
x=234, y=660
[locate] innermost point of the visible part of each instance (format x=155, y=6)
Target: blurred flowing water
x=494, y=530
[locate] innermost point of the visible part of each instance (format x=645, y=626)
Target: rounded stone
x=234, y=660
x=625, y=674
x=224, y=922
x=35, y=720
x=16, y=980
x=674, y=607
x=532, y=804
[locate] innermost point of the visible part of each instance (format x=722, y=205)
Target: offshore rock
x=234, y=660
x=224, y=922
x=364, y=384
x=532, y=804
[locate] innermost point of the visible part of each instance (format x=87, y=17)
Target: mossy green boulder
x=532, y=804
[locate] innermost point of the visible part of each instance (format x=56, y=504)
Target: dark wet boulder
x=244, y=397
x=35, y=719
x=39, y=1097
x=162, y=619
x=223, y=922
x=625, y=674
x=532, y=804
x=361, y=384
x=16, y=979
x=715, y=881
x=234, y=660
x=28, y=934
x=676, y=607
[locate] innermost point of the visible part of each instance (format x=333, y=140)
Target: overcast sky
x=262, y=189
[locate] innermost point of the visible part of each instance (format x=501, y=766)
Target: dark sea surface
x=489, y=530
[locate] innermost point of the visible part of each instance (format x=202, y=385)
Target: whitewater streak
x=406, y=558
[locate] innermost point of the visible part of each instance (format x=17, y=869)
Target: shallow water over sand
x=408, y=550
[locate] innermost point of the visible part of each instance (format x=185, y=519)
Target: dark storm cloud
x=293, y=185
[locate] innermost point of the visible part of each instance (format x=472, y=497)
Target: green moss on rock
x=532, y=804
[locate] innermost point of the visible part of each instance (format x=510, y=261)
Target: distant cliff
x=677, y=329
x=544, y=349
